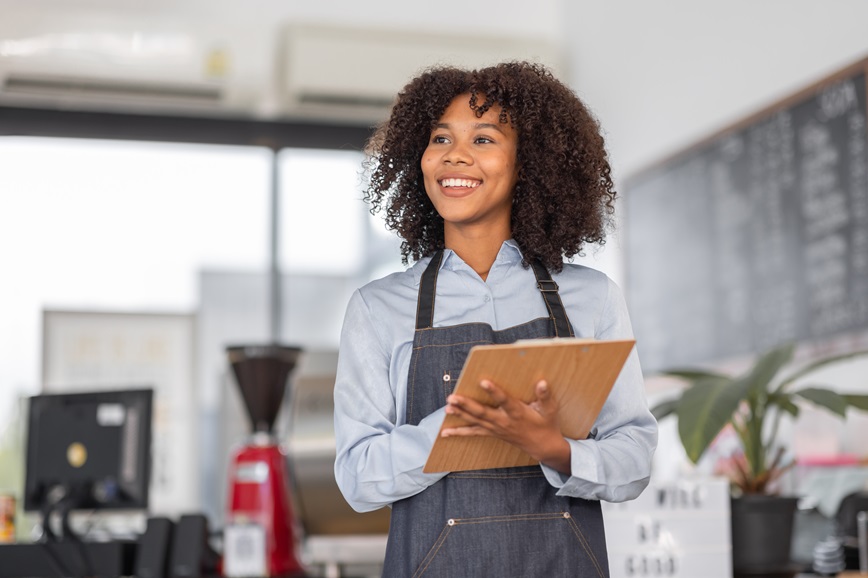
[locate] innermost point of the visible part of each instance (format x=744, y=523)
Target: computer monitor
x=89, y=450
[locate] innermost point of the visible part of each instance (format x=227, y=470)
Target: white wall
x=661, y=75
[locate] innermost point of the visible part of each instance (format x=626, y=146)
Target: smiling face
x=470, y=170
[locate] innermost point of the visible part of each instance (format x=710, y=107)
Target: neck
x=478, y=251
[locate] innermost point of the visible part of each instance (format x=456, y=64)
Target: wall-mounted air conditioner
x=354, y=74
x=117, y=70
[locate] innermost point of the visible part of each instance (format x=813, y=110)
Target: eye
x=439, y=139
x=483, y=140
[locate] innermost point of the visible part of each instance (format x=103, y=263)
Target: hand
x=532, y=427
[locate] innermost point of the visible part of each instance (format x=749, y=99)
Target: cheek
x=504, y=168
x=427, y=165
x=513, y=170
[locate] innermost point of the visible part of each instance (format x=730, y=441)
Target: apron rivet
x=446, y=377
x=450, y=522
x=566, y=515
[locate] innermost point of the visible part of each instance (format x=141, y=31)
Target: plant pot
x=762, y=531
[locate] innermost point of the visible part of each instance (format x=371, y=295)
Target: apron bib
x=504, y=522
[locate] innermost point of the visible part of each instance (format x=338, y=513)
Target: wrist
x=558, y=456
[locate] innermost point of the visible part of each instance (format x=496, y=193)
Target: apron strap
x=548, y=288
x=427, y=289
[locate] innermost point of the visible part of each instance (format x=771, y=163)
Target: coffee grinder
x=261, y=537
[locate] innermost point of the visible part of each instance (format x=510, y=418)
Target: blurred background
x=179, y=177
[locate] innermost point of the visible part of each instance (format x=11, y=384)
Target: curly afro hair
x=564, y=197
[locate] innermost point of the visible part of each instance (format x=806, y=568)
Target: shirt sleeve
x=615, y=463
x=377, y=461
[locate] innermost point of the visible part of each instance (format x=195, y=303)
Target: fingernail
x=485, y=384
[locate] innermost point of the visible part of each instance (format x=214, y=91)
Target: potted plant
x=753, y=404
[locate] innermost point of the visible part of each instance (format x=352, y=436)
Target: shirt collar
x=509, y=254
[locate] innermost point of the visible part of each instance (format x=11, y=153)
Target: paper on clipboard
x=580, y=374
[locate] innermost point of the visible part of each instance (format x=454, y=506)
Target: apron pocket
x=547, y=544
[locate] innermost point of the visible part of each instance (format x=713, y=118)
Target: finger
x=468, y=420
x=499, y=397
x=465, y=431
x=459, y=403
x=543, y=393
x=475, y=413
x=481, y=409
x=544, y=403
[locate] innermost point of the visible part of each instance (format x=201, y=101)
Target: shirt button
x=487, y=298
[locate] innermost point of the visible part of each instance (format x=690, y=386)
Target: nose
x=458, y=154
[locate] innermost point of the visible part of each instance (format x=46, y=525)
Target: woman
x=491, y=178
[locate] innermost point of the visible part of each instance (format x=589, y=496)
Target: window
x=322, y=215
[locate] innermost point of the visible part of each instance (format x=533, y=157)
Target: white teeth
x=459, y=183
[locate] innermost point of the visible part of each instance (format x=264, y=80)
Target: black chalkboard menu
x=756, y=236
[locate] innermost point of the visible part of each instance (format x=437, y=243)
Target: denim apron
x=504, y=522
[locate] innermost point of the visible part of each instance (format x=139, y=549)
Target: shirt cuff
x=583, y=462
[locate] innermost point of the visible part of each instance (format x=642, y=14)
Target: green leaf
x=825, y=398
x=693, y=375
x=665, y=408
x=857, y=401
x=764, y=370
x=785, y=402
x=704, y=410
x=810, y=368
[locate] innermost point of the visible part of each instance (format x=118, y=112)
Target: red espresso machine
x=261, y=534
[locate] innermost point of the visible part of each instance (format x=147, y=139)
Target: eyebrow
x=477, y=126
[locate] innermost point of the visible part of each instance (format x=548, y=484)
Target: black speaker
x=192, y=555
x=152, y=558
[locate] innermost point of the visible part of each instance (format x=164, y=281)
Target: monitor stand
x=66, y=554
x=45, y=560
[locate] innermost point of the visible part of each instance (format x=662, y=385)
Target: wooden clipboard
x=580, y=373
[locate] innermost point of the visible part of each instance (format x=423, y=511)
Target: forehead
x=459, y=111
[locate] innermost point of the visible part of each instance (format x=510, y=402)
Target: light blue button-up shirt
x=380, y=457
